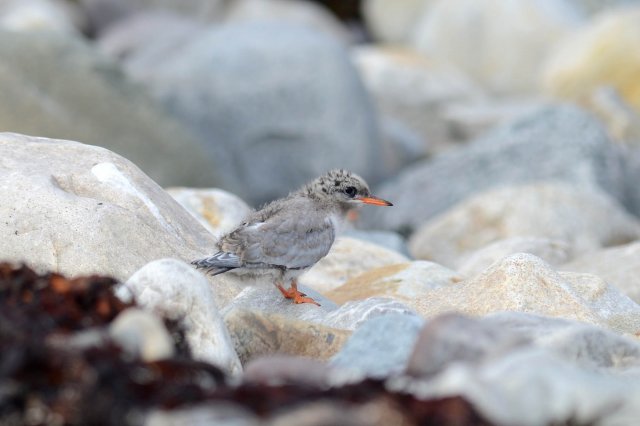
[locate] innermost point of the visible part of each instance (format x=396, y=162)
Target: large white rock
x=583, y=218
x=79, y=209
x=499, y=43
x=174, y=289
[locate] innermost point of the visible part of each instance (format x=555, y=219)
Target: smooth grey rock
x=266, y=298
x=584, y=218
x=79, y=210
x=353, y=314
x=56, y=85
x=454, y=338
x=148, y=36
x=304, y=112
x=306, y=14
x=176, y=290
x=507, y=364
x=104, y=13
x=380, y=347
x=534, y=387
x=518, y=152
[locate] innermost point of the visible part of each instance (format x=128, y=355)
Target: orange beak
x=375, y=201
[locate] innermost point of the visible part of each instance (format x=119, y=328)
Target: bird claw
x=297, y=296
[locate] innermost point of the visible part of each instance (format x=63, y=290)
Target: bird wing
x=292, y=238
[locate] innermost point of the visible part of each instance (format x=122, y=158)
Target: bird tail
x=218, y=263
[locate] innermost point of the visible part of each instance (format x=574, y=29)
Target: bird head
x=344, y=188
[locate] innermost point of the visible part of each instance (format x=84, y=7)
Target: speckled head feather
x=338, y=185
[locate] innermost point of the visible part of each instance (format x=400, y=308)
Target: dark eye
x=350, y=191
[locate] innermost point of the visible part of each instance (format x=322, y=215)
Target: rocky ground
x=503, y=287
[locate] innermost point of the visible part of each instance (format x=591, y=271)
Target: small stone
x=176, y=290
x=217, y=210
x=380, y=347
x=553, y=251
x=348, y=258
x=583, y=218
x=142, y=334
x=405, y=282
x=256, y=334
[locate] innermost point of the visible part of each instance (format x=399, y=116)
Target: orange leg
x=294, y=294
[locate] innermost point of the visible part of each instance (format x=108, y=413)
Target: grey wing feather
x=283, y=239
x=218, y=263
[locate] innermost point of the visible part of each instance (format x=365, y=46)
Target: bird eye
x=350, y=191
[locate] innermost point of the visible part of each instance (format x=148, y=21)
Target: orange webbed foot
x=297, y=296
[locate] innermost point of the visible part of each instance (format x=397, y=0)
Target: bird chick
x=290, y=235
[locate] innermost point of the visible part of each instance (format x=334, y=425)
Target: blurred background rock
x=259, y=96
